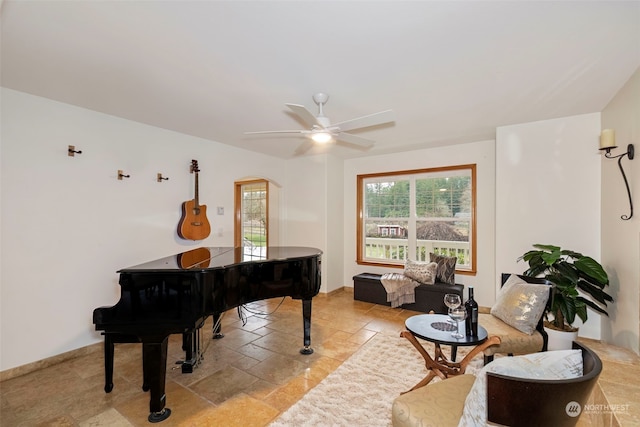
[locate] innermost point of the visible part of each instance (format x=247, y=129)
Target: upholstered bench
x=367, y=287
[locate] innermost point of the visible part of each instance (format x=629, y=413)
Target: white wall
x=67, y=223
x=480, y=153
x=548, y=191
x=334, y=230
x=621, y=239
x=315, y=208
x=305, y=201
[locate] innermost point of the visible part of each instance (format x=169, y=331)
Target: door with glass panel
x=251, y=216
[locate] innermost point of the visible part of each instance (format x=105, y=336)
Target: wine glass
x=452, y=301
x=457, y=314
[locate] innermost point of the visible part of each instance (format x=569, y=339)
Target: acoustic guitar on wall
x=194, y=224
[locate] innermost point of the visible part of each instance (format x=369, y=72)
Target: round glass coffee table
x=437, y=329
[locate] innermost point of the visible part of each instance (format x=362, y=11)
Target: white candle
x=607, y=139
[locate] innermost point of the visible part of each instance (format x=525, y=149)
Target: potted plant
x=569, y=271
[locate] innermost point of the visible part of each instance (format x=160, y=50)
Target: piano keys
x=176, y=294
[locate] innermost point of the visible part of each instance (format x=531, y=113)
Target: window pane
x=386, y=211
x=443, y=208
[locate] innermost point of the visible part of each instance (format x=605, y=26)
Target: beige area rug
x=361, y=391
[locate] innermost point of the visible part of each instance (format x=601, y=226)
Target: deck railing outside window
x=396, y=250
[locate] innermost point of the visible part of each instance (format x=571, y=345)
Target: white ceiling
x=452, y=71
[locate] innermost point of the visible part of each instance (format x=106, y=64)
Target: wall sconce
x=608, y=143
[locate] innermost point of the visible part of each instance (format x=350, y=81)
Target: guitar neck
x=197, y=204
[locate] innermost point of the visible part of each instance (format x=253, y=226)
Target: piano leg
x=154, y=365
x=306, y=319
x=108, y=363
x=110, y=339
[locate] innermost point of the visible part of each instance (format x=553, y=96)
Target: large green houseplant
x=570, y=271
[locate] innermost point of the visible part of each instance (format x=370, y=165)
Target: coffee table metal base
x=439, y=365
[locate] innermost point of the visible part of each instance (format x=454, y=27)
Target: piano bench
x=368, y=287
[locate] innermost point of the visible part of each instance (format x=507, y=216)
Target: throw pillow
x=546, y=365
x=420, y=271
x=521, y=304
x=446, y=272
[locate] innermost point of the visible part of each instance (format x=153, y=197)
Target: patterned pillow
x=521, y=304
x=546, y=365
x=420, y=271
x=446, y=272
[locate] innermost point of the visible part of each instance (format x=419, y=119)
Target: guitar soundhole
x=196, y=211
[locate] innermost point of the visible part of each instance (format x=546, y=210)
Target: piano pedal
x=156, y=417
x=217, y=336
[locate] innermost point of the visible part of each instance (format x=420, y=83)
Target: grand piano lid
x=208, y=258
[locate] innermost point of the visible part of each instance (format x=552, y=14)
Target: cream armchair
x=507, y=399
x=528, y=335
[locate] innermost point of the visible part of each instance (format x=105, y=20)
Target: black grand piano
x=175, y=295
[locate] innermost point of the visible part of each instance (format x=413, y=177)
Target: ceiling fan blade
x=274, y=131
x=303, y=148
x=359, y=142
x=366, y=121
x=306, y=115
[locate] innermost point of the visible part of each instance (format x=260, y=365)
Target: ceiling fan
x=323, y=131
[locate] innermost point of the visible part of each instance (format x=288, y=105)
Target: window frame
x=360, y=226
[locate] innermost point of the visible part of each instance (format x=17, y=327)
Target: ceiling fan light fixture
x=320, y=130
x=321, y=137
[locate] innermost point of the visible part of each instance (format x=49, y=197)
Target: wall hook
x=121, y=175
x=72, y=151
x=161, y=178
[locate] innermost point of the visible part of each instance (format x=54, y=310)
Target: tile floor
x=253, y=374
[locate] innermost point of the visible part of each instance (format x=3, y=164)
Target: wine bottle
x=471, y=322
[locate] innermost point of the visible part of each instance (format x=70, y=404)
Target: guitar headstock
x=194, y=166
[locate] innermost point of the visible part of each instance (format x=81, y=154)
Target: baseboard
x=342, y=289
x=49, y=361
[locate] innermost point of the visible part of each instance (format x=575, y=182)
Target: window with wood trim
x=408, y=214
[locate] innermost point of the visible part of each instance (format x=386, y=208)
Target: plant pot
x=560, y=340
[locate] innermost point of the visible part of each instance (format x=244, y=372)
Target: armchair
x=512, y=340
x=508, y=399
